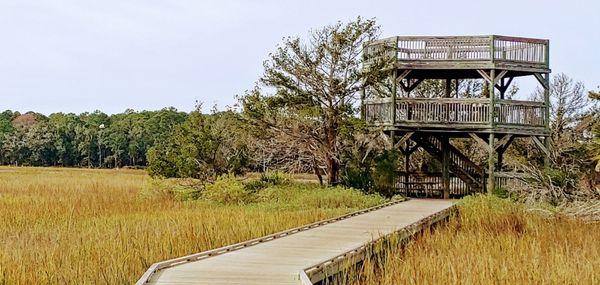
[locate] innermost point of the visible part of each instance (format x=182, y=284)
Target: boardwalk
x=296, y=258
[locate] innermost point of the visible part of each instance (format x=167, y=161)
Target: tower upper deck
x=463, y=54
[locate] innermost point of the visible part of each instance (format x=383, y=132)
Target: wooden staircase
x=461, y=166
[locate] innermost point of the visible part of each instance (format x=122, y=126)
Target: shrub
x=299, y=195
x=267, y=179
x=227, y=190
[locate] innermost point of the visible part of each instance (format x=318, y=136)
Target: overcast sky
x=76, y=56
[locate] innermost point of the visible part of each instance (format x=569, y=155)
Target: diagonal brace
x=403, y=139
x=481, y=142
x=541, y=146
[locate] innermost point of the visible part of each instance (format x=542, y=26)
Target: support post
x=407, y=167
x=547, y=113
x=394, y=92
x=362, y=103
x=499, y=161
x=456, y=84
x=491, y=181
x=446, y=165
x=502, y=90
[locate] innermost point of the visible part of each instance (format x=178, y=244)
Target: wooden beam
x=500, y=144
x=362, y=103
x=410, y=86
x=481, y=142
x=403, y=75
x=504, y=85
x=456, y=84
x=541, y=80
x=491, y=78
x=394, y=95
x=541, y=146
x=412, y=149
x=491, y=164
x=403, y=139
x=546, y=78
x=500, y=75
x=485, y=76
x=446, y=166
x=404, y=87
x=414, y=84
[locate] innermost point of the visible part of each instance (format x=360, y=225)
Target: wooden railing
x=442, y=110
x=467, y=48
x=429, y=185
x=321, y=270
x=452, y=112
x=520, y=49
x=520, y=113
x=510, y=179
x=379, y=111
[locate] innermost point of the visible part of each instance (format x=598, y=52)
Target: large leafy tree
x=203, y=147
x=315, y=84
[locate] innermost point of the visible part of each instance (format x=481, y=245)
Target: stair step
x=472, y=178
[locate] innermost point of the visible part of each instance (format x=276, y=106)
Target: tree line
x=84, y=140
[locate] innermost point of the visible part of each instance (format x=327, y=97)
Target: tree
x=40, y=140
x=203, y=147
x=568, y=102
x=316, y=83
x=65, y=142
x=595, y=115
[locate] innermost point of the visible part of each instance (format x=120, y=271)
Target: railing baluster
x=455, y=111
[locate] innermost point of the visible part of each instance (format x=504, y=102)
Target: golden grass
x=80, y=226
x=491, y=241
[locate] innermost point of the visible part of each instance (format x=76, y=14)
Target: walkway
x=298, y=256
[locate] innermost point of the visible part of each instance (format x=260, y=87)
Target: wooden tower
x=430, y=124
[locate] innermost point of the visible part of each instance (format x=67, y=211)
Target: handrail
x=442, y=100
x=462, y=48
x=313, y=272
x=218, y=251
x=472, y=111
x=520, y=102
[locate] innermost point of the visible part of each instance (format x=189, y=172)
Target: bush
x=267, y=179
x=227, y=190
x=300, y=195
x=376, y=174
x=276, y=190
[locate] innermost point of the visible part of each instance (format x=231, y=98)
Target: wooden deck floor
x=284, y=260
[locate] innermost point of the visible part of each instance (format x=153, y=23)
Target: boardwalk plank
x=279, y=261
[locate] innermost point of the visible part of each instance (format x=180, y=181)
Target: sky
x=111, y=55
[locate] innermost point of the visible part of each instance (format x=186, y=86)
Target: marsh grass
x=81, y=226
x=489, y=241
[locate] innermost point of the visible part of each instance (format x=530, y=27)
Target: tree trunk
x=333, y=165
x=317, y=171
x=333, y=169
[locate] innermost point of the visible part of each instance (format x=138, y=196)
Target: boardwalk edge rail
x=218, y=251
x=324, y=269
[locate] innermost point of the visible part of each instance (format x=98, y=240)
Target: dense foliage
x=85, y=140
x=316, y=84
x=203, y=146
